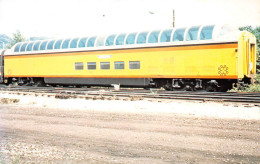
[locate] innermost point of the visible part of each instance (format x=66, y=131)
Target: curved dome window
x=192, y=34
x=131, y=38
x=17, y=47
x=73, y=43
x=23, y=47
x=178, y=35
x=206, y=33
x=43, y=45
x=91, y=42
x=153, y=37
x=120, y=39
x=142, y=38
x=29, y=47
x=36, y=46
x=50, y=45
x=82, y=42
x=100, y=41
x=58, y=44
x=166, y=36
x=110, y=40
x=65, y=43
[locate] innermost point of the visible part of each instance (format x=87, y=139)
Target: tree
x=17, y=37
x=256, y=32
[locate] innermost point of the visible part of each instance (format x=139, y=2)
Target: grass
x=249, y=88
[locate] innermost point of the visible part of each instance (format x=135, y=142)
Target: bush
x=248, y=88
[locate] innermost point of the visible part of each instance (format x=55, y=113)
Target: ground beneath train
x=34, y=135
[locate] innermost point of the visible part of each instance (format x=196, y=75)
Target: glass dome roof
x=193, y=33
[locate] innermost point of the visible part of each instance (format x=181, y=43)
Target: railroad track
x=134, y=94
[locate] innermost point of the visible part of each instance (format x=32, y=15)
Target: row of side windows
x=121, y=39
x=106, y=65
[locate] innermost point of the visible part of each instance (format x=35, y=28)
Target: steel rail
x=139, y=93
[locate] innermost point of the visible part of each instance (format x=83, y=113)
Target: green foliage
x=253, y=88
x=249, y=88
x=17, y=37
x=256, y=32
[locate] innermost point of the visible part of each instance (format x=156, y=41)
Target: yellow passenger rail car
x=205, y=57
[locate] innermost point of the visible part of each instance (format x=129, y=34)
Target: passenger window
x=131, y=38
x=134, y=65
x=142, y=37
x=120, y=39
x=100, y=41
x=57, y=44
x=104, y=65
x=82, y=42
x=73, y=43
x=153, y=37
x=119, y=65
x=79, y=66
x=23, y=47
x=17, y=47
x=65, y=43
x=178, y=35
x=43, y=45
x=50, y=45
x=166, y=36
x=29, y=47
x=92, y=65
x=91, y=42
x=36, y=46
x=192, y=34
x=206, y=33
x=110, y=40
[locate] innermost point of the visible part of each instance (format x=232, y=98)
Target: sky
x=74, y=18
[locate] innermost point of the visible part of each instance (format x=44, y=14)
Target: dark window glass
x=36, y=46
x=50, y=45
x=65, y=44
x=91, y=42
x=142, y=38
x=73, y=43
x=79, y=66
x=43, y=45
x=57, y=44
x=192, y=34
x=178, y=35
x=82, y=42
x=206, y=33
x=29, y=47
x=134, y=65
x=17, y=47
x=131, y=38
x=120, y=65
x=120, y=39
x=92, y=65
x=110, y=40
x=153, y=37
x=166, y=36
x=104, y=65
x=23, y=47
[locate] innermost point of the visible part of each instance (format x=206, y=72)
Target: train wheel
x=39, y=83
x=168, y=87
x=211, y=88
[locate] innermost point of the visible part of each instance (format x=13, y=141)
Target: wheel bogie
x=195, y=84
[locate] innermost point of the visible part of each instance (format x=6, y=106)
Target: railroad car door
x=251, y=51
x=246, y=55
x=2, y=66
